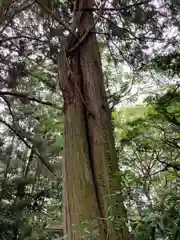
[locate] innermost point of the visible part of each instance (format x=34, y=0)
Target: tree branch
x=116, y=8
x=25, y=96
x=47, y=10
x=9, y=106
x=2, y=40
x=175, y=166
x=18, y=134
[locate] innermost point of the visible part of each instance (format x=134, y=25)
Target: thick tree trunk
x=79, y=195
x=100, y=129
x=90, y=156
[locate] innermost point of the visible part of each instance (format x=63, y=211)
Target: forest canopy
x=90, y=119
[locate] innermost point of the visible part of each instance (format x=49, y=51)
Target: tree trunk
x=90, y=156
x=79, y=192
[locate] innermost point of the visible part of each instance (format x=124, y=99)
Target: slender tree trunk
x=90, y=156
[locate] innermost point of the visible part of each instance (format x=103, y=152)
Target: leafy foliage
x=168, y=63
x=150, y=164
x=131, y=34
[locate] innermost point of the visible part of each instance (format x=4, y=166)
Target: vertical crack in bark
x=88, y=146
x=92, y=98
x=90, y=154
x=80, y=193
x=91, y=162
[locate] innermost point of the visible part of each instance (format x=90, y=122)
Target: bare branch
x=26, y=96
x=47, y=10
x=115, y=8
x=2, y=40
x=19, y=135
x=14, y=14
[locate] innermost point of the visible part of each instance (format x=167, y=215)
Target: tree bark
x=79, y=193
x=90, y=191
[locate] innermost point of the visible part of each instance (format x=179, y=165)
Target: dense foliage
x=31, y=123
x=149, y=155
